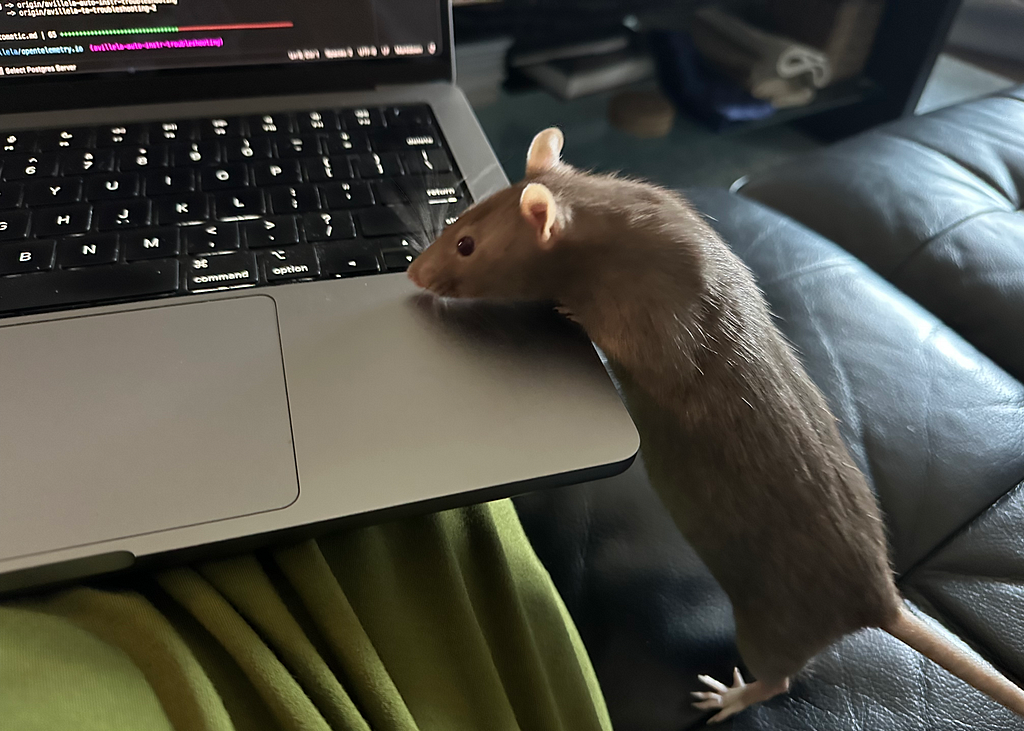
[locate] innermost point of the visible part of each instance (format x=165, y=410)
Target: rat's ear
x=539, y=209
x=544, y=150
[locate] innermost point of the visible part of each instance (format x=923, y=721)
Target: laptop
x=207, y=341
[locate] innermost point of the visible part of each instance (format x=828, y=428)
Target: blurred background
x=687, y=92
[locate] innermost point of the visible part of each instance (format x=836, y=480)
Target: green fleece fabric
x=446, y=621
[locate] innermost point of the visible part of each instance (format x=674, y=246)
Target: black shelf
x=843, y=94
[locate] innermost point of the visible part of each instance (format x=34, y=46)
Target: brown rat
x=737, y=440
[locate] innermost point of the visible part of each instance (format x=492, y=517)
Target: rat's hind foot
x=733, y=700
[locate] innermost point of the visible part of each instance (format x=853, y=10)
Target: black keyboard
x=128, y=212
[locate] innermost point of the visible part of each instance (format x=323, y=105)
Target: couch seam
x=983, y=577
x=849, y=394
x=921, y=247
x=944, y=617
x=923, y=496
x=981, y=133
x=820, y=266
x=960, y=530
x=974, y=173
x=1004, y=95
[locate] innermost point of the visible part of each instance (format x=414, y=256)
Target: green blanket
x=447, y=621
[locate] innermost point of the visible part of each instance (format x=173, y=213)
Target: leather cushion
x=933, y=204
x=976, y=584
x=872, y=681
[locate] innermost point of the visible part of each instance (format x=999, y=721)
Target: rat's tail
x=960, y=662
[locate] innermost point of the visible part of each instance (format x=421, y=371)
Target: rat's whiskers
x=425, y=218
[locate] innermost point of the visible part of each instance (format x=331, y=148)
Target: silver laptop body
x=161, y=428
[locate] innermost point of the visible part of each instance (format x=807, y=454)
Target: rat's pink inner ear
x=544, y=150
x=538, y=207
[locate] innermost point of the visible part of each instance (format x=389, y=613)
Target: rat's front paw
x=730, y=700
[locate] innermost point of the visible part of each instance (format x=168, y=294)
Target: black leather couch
x=895, y=262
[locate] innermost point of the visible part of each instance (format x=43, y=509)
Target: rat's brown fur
x=737, y=440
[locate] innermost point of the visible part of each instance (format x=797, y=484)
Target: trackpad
x=128, y=423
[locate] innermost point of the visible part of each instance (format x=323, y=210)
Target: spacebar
x=78, y=286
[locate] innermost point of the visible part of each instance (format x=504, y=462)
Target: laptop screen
x=72, y=54
x=61, y=37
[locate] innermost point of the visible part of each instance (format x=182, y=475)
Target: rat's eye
x=466, y=245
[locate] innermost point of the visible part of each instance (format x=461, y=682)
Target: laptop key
x=293, y=146
x=401, y=140
x=249, y=148
x=61, y=220
x=399, y=191
x=417, y=115
x=221, y=272
x=181, y=209
x=112, y=187
x=274, y=231
x=278, y=172
x=296, y=262
x=356, y=119
x=36, y=256
x=240, y=203
x=348, y=142
x=324, y=169
x=432, y=190
x=317, y=122
x=122, y=134
x=10, y=195
x=295, y=199
x=81, y=162
x=212, y=237
x=442, y=189
x=27, y=167
x=170, y=182
x=13, y=225
x=83, y=251
x=17, y=141
x=133, y=159
x=89, y=285
x=347, y=195
x=171, y=131
x=225, y=177
x=56, y=139
x=397, y=260
x=334, y=226
x=151, y=244
x=215, y=129
x=53, y=191
x=113, y=215
x=188, y=154
x=373, y=165
x=347, y=260
x=427, y=162
x=411, y=243
x=387, y=221
x=270, y=124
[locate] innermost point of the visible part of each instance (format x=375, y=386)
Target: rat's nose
x=415, y=274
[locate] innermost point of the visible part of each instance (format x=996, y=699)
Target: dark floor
x=691, y=155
